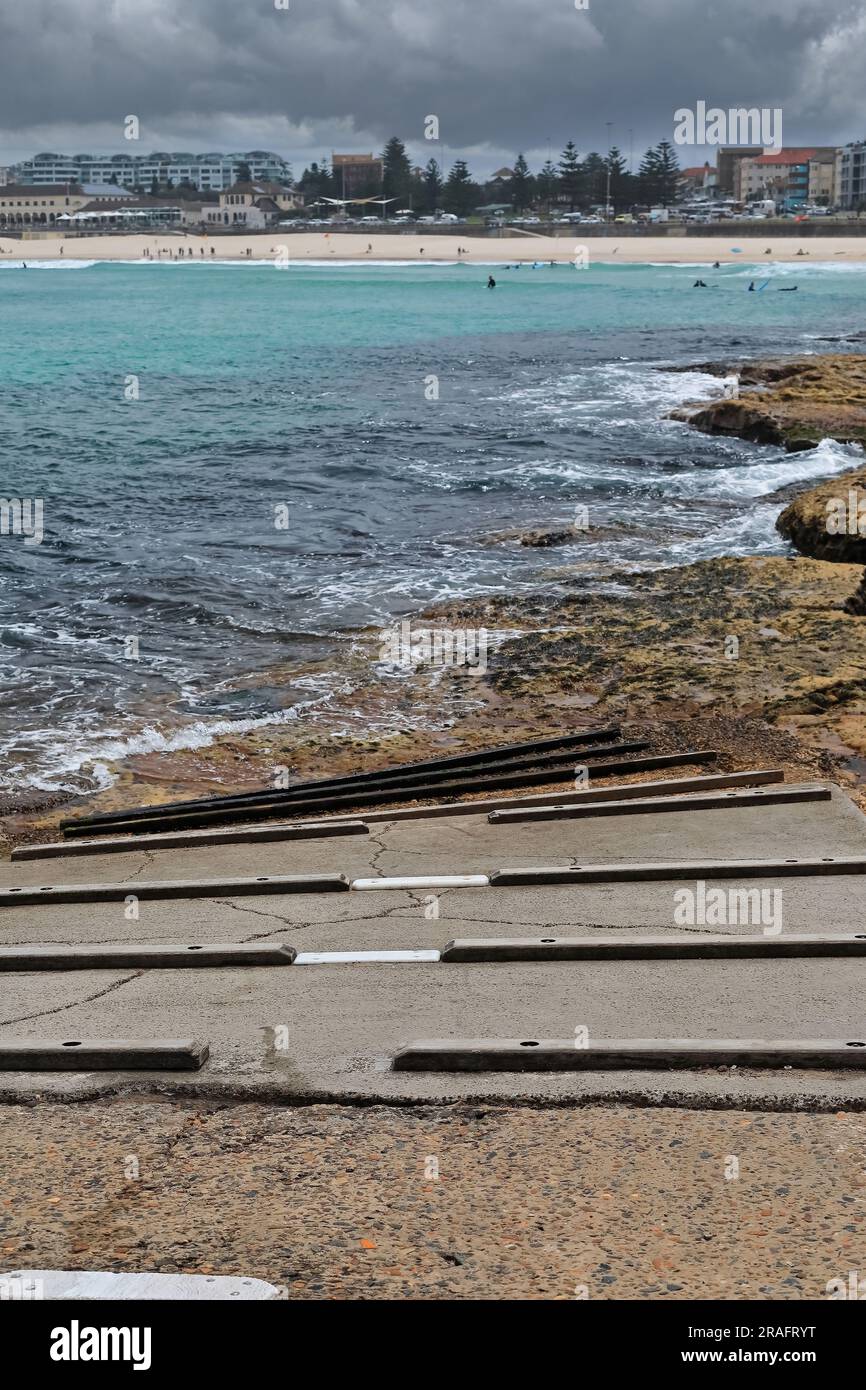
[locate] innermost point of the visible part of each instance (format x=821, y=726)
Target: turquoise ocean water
x=398, y=416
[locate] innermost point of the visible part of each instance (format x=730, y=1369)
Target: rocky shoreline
x=761, y=658
x=793, y=402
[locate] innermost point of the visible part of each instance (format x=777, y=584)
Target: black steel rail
x=481, y=758
x=346, y=800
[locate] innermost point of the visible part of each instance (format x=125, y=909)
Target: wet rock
x=829, y=521
x=856, y=604
x=560, y=535
x=792, y=402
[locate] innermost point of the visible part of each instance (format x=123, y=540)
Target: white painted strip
x=92, y=1285
x=362, y=957
x=427, y=881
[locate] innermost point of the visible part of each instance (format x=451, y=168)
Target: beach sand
x=327, y=246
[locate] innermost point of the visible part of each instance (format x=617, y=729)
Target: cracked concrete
x=346, y=1021
x=73, y=1003
x=470, y=844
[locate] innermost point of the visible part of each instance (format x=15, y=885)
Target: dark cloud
x=501, y=75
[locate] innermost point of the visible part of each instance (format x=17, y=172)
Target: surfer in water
x=751, y=284
x=491, y=283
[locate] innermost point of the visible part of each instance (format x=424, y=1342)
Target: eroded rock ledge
x=829, y=521
x=792, y=402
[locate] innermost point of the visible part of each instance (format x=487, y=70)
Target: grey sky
x=501, y=75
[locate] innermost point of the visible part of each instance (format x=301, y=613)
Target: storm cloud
x=501, y=75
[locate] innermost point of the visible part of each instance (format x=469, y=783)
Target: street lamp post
x=609, y=125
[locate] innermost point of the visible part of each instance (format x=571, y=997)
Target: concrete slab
x=400, y=920
x=343, y=1023
x=735, y=946
x=38, y=1054
x=471, y=845
x=72, y=849
x=651, y=787
x=154, y=889
x=700, y=801
x=288, y=830
x=679, y=869
x=620, y=1054
x=344, y=1020
x=146, y=957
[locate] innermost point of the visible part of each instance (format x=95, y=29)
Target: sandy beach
x=416, y=246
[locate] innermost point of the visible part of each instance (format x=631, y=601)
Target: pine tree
x=615, y=164
x=397, y=177
x=520, y=185
x=570, y=175
x=460, y=194
x=316, y=182
x=659, y=174
x=547, y=184
x=594, y=178
x=668, y=172
x=649, y=180
x=433, y=185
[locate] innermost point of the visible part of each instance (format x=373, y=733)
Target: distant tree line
x=572, y=184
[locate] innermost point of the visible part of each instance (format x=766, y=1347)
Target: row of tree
x=572, y=183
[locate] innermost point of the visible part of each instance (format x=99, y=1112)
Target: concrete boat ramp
x=310, y=967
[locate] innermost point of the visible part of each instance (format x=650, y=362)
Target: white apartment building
x=206, y=172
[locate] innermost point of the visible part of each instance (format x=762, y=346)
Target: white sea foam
x=757, y=479
x=47, y=265
x=69, y=759
x=595, y=391
x=262, y=263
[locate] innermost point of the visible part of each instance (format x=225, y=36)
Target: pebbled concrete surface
x=339, y=1203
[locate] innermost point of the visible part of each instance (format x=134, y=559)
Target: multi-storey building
x=791, y=176
x=850, y=192
x=728, y=162
x=205, y=172
x=357, y=175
